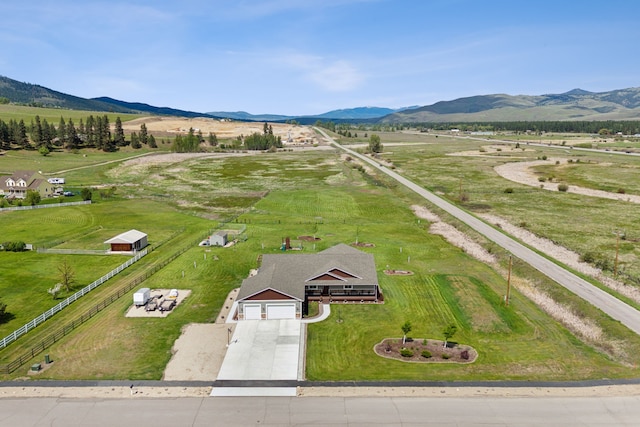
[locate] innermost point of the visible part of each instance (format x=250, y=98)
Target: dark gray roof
x=289, y=273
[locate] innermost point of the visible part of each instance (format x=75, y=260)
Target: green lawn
x=312, y=193
x=17, y=112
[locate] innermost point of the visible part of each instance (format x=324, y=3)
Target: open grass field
x=549, y=214
x=84, y=163
x=17, y=113
x=315, y=193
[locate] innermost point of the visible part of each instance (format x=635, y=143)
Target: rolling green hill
x=38, y=96
x=576, y=104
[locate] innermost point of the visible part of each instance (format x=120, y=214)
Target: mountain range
x=577, y=104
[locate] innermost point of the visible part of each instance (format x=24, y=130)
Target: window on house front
x=348, y=287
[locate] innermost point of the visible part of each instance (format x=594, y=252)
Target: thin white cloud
x=260, y=8
x=340, y=76
x=331, y=75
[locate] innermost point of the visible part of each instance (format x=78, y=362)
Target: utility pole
x=506, y=298
x=615, y=265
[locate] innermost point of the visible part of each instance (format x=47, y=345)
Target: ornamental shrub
x=405, y=352
x=426, y=354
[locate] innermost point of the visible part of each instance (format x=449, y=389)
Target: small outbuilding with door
x=130, y=241
x=219, y=238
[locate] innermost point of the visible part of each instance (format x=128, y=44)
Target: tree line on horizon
x=41, y=135
x=626, y=127
x=96, y=133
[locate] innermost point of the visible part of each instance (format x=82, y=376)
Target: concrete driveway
x=263, y=350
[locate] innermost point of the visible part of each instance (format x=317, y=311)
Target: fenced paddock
x=59, y=307
x=66, y=329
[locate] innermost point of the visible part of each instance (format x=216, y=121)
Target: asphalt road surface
x=321, y=411
x=616, y=309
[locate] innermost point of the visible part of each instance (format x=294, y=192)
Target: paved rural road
x=627, y=315
x=315, y=411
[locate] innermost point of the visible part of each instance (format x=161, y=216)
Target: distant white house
x=55, y=180
x=17, y=185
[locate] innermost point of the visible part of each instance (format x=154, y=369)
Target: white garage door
x=252, y=312
x=281, y=311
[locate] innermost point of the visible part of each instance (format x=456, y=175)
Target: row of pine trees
x=95, y=132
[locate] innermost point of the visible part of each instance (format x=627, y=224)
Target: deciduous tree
x=375, y=146
x=406, y=328
x=448, y=333
x=33, y=197
x=67, y=275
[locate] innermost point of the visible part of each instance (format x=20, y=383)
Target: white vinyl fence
x=48, y=205
x=49, y=313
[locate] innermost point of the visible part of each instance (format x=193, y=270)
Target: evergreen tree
x=82, y=132
x=21, y=135
x=213, y=139
x=36, y=132
x=62, y=133
x=152, y=142
x=135, y=141
x=118, y=137
x=73, y=140
x=5, y=142
x=89, y=132
x=144, y=136
x=48, y=134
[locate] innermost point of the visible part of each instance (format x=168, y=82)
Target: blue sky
x=307, y=57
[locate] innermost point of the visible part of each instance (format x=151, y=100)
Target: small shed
x=130, y=241
x=219, y=238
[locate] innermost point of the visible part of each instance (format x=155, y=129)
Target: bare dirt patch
x=426, y=351
x=521, y=173
x=308, y=238
x=199, y=351
x=171, y=126
x=398, y=273
x=453, y=235
x=363, y=245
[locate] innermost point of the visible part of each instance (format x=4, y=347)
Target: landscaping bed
x=425, y=351
x=308, y=238
x=398, y=272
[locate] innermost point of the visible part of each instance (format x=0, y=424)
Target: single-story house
x=130, y=241
x=16, y=186
x=219, y=238
x=285, y=283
